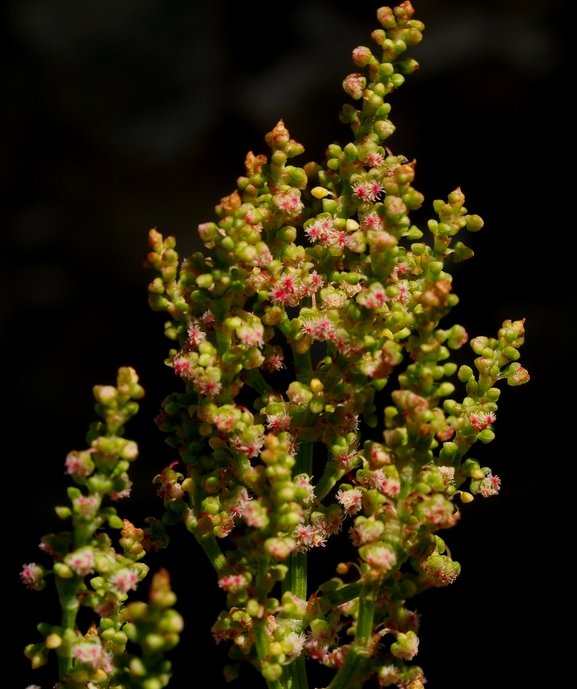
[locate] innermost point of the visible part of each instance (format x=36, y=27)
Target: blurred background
x=119, y=116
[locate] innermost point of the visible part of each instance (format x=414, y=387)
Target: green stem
x=345, y=594
x=331, y=475
x=67, y=594
x=212, y=550
x=296, y=578
x=353, y=670
x=351, y=674
x=256, y=381
x=304, y=459
x=296, y=674
x=366, y=613
x=302, y=362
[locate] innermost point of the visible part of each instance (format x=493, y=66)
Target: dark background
x=119, y=116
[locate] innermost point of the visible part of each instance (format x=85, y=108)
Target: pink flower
x=239, y=503
x=208, y=320
x=92, y=654
x=367, y=192
x=182, y=367
x=275, y=361
x=367, y=531
x=377, y=456
x=279, y=548
x=373, y=159
x=336, y=657
x=249, y=447
x=298, y=642
x=322, y=230
x=362, y=56
x=252, y=337
x=314, y=281
x=321, y=329
x=86, y=506
x=79, y=464
x=448, y=474
x=289, y=201
x=344, y=459
x=490, y=485
x=277, y=423
x=481, y=420
x=105, y=606
x=207, y=381
x=350, y=500
x=330, y=522
x=373, y=298
x=380, y=557
x=233, y=582
x=195, y=335
x=124, y=580
x=384, y=484
x=371, y=221
x=354, y=85
x=303, y=481
x=308, y=536
x=32, y=576
x=438, y=511
x=81, y=561
x=517, y=375
x=255, y=515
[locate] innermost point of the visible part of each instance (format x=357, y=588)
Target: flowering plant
x=316, y=290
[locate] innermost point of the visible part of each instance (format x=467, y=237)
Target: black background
x=121, y=116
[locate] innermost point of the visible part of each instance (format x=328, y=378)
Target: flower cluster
x=87, y=551
x=321, y=266
x=316, y=293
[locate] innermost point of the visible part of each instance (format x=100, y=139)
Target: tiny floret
x=32, y=576
x=124, y=580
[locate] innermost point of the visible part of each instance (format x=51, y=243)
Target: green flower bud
x=474, y=223
x=449, y=451
x=384, y=129
x=253, y=607
x=511, y=353
x=486, y=436
x=271, y=671
x=63, y=571
x=414, y=233
x=287, y=234
x=407, y=66
x=406, y=646
x=63, y=512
